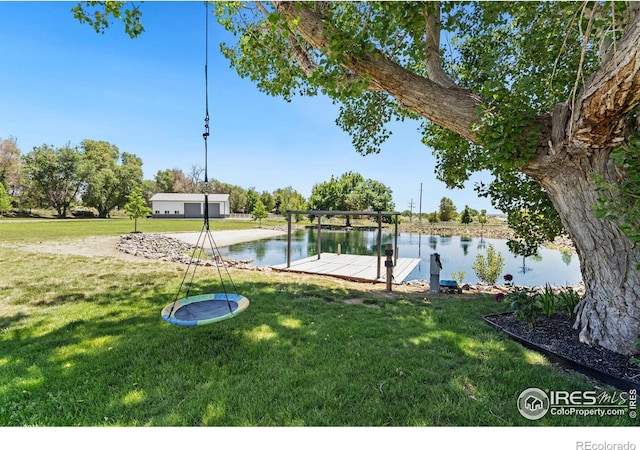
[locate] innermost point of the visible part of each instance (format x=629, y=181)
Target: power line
x=410, y=210
x=420, y=213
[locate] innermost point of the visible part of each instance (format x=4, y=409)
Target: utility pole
x=410, y=210
x=420, y=216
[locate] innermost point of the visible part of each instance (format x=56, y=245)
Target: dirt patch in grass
x=89, y=247
x=360, y=301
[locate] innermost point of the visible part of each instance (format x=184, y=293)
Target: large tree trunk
x=609, y=314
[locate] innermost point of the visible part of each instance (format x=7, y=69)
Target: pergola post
x=379, y=241
x=288, y=239
x=319, y=235
x=395, y=243
x=389, y=266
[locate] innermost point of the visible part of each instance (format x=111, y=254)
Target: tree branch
x=434, y=67
x=298, y=53
x=452, y=108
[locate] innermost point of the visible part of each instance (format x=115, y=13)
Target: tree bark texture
x=609, y=314
x=575, y=141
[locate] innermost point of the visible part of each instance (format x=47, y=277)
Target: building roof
x=191, y=198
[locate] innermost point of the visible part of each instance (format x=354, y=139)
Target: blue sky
x=62, y=82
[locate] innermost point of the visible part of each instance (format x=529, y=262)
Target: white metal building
x=174, y=206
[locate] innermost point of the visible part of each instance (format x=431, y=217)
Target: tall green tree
x=465, y=217
x=447, y=210
x=252, y=198
x=348, y=198
x=112, y=176
x=288, y=199
x=350, y=192
x=324, y=195
x=539, y=94
x=374, y=195
x=237, y=195
x=165, y=181
x=237, y=198
x=55, y=176
x=268, y=200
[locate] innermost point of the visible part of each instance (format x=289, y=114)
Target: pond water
x=457, y=254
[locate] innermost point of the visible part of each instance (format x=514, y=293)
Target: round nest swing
x=207, y=308
x=204, y=309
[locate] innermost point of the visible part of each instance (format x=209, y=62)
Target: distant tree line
x=97, y=175
x=447, y=212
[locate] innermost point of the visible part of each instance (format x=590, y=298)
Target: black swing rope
x=200, y=244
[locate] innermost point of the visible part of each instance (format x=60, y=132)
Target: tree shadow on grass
x=60, y=299
x=9, y=321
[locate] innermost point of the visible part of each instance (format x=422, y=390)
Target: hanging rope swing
x=204, y=309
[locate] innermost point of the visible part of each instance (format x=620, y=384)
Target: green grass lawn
x=82, y=343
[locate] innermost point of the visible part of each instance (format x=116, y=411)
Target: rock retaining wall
x=165, y=248
x=484, y=288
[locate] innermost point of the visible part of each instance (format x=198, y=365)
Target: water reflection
x=458, y=254
x=524, y=269
x=567, y=255
x=465, y=242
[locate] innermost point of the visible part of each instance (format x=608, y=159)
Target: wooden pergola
x=319, y=214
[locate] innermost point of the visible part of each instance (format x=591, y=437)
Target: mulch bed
x=555, y=337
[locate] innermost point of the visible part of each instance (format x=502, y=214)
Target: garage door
x=214, y=209
x=192, y=210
